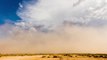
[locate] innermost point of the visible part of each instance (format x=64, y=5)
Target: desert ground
x=56, y=57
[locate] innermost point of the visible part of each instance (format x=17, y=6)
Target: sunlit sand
x=57, y=57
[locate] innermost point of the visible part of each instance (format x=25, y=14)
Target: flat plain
x=55, y=57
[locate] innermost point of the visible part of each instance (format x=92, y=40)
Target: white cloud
x=53, y=13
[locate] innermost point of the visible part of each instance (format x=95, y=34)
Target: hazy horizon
x=53, y=26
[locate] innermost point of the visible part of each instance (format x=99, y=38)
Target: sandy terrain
x=26, y=58
x=38, y=58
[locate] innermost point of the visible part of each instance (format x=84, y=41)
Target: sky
x=8, y=10
x=53, y=26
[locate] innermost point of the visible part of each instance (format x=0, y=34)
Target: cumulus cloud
x=57, y=26
x=52, y=14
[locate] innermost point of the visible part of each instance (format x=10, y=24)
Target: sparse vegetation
x=55, y=57
x=43, y=56
x=59, y=56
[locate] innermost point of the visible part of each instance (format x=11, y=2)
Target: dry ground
x=51, y=57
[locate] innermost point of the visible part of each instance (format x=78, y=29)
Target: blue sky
x=8, y=10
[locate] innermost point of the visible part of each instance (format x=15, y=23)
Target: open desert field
x=57, y=57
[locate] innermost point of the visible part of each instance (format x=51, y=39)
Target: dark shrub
x=55, y=56
x=43, y=56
